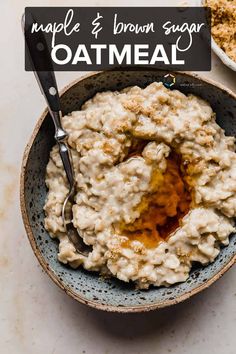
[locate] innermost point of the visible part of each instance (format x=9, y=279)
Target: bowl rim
x=41, y=259
x=226, y=60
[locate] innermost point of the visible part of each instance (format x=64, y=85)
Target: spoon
x=40, y=59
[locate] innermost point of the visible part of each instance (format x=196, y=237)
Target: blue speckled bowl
x=88, y=287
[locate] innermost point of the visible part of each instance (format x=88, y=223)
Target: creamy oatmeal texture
x=124, y=147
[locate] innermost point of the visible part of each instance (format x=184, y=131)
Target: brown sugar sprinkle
x=162, y=210
x=223, y=25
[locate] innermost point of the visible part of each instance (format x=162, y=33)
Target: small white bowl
x=216, y=49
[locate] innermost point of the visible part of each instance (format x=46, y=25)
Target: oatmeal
x=155, y=180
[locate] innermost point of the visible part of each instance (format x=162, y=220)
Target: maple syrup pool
x=162, y=210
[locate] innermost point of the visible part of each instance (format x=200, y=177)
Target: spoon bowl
x=88, y=287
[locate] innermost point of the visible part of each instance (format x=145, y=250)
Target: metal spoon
x=40, y=57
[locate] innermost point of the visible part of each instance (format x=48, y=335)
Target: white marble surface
x=37, y=317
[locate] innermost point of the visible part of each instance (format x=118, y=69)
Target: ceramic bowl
x=87, y=287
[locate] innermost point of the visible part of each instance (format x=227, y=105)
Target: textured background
x=35, y=316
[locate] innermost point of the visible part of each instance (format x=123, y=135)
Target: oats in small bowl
x=223, y=30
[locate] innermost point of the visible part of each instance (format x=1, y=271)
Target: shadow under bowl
x=87, y=287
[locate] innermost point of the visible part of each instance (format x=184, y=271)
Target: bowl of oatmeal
x=155, y=173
